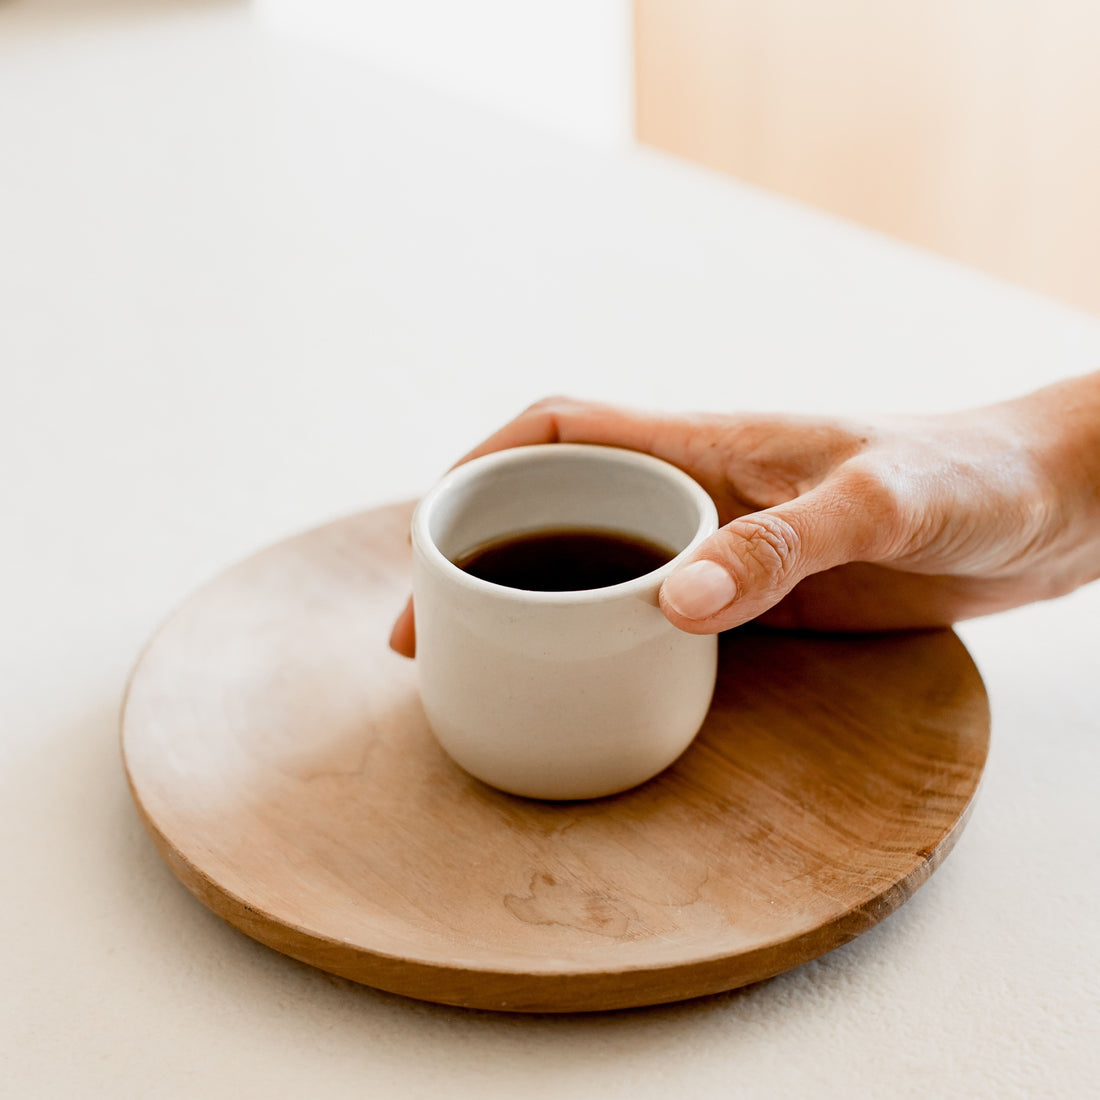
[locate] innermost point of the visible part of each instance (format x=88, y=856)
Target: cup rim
x=706, y=512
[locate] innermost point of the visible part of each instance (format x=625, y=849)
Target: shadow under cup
x=559, y=695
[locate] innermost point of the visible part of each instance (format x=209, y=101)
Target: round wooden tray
x=278, y=754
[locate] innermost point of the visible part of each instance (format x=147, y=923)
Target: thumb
x=750, y=564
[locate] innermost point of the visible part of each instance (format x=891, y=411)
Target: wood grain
x=279, y=757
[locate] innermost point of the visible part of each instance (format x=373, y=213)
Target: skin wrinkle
x=772, y=546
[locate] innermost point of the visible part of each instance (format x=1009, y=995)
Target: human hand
x=893, y=523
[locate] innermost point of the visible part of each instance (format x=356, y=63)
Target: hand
x=832, y=524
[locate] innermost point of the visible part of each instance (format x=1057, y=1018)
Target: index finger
x=566, y=420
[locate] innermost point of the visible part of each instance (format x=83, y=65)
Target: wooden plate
x=279, y=757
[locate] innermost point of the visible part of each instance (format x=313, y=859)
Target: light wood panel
x=971, y=127
x=279, y=756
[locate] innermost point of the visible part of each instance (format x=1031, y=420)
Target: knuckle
x=552, y=412
x=879, y=493
x=771, y=547
x=551, y=405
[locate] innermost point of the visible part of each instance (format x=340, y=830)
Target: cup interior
x=566, y=486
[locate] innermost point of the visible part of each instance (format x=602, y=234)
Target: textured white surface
x=246, y=286
x=564, y=64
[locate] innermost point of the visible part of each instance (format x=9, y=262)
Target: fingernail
x=700, y=590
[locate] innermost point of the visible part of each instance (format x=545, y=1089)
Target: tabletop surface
x=247, y=286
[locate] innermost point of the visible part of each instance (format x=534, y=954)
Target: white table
x=246, y=286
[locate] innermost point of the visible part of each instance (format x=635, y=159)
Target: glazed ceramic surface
x=559, y=695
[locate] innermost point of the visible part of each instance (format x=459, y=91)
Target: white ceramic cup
x=559, y=695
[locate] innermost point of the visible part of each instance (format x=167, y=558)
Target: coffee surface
x=564, y=560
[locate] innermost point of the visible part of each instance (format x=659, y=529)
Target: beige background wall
x=969, y=126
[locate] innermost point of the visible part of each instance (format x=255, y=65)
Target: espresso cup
x=547, y=694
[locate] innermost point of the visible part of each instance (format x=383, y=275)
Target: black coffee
x=564, y=560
